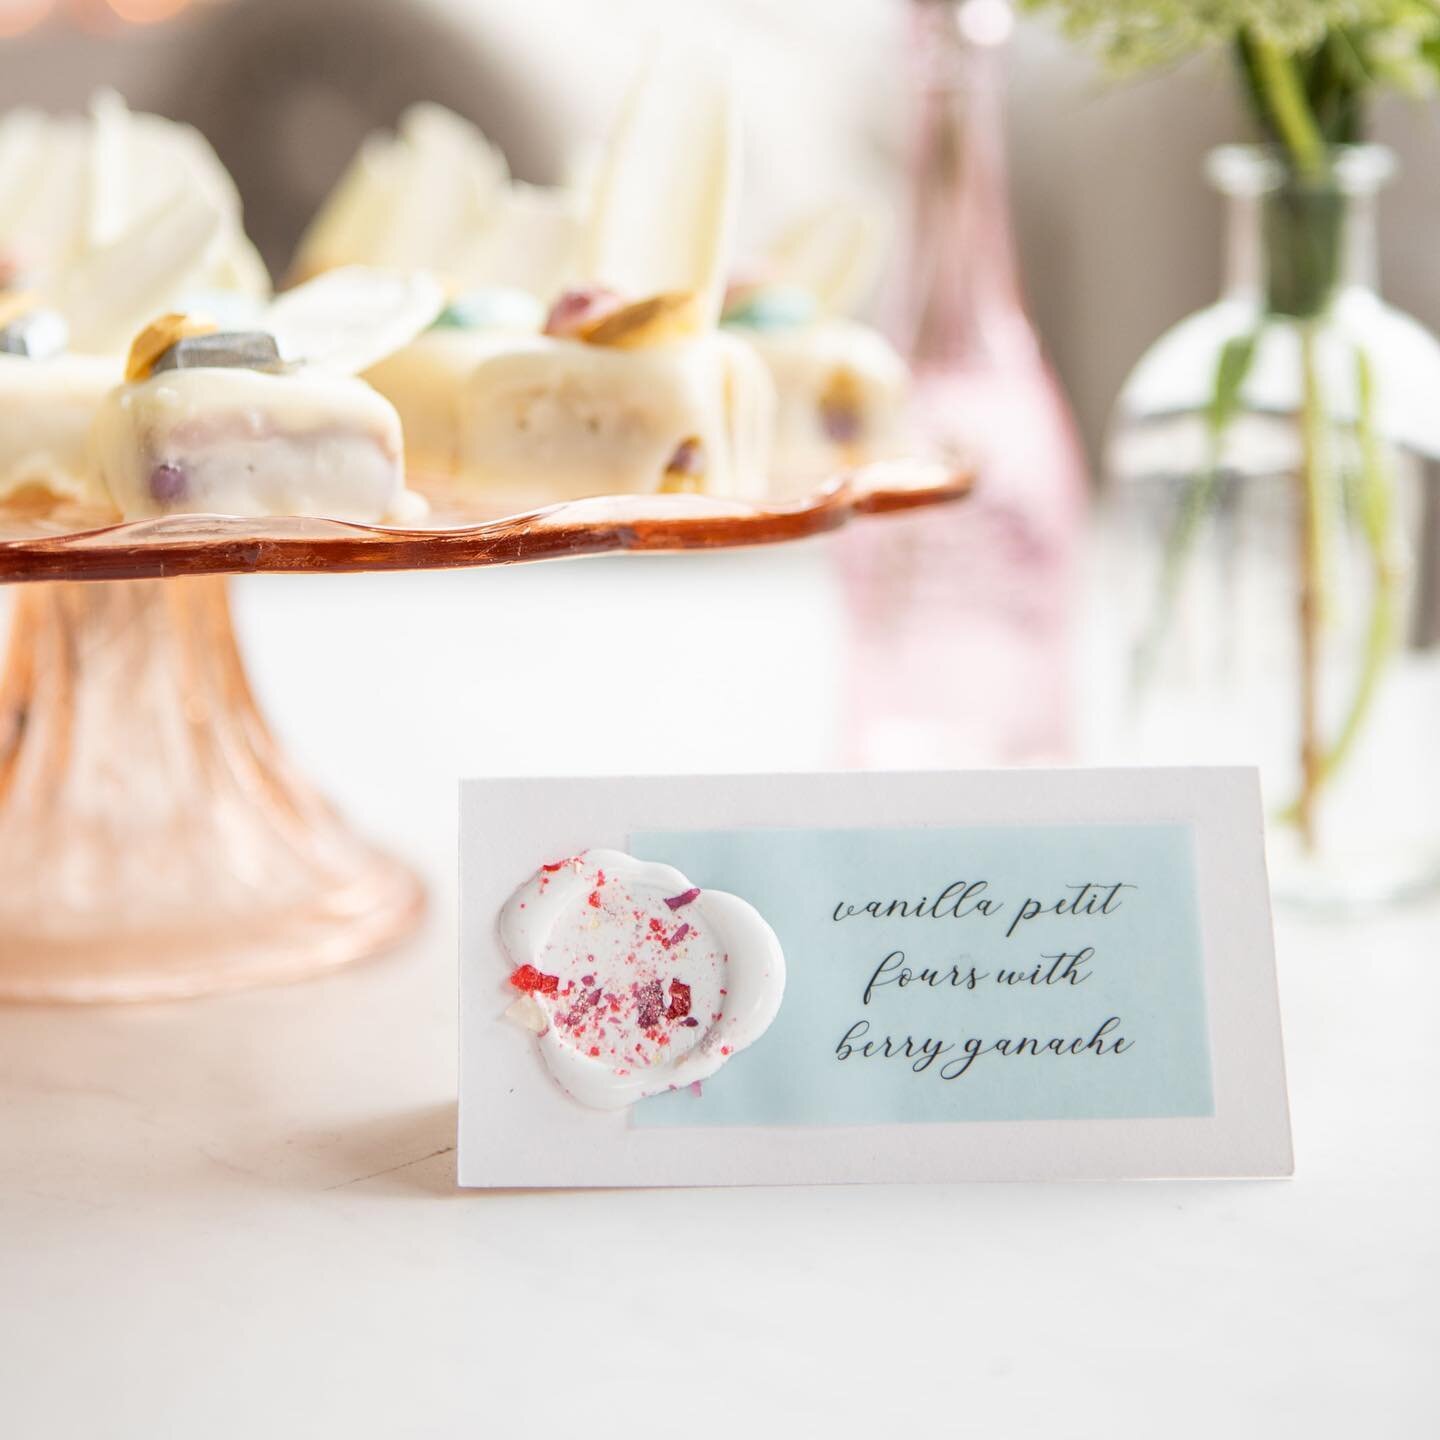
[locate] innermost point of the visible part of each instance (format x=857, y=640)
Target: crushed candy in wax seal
x=634, y=980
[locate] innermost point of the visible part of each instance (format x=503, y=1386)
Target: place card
x=788, y=979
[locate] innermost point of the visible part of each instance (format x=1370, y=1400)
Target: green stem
x=1375, y=502
x=1283, y=95
x=1314, y=496
x=1231, y=371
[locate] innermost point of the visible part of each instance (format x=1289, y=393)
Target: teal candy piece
x=492, y=308
x=773, y=307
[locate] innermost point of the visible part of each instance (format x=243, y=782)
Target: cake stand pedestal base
x=154, y=842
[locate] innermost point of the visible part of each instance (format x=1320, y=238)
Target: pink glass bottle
x=961, y=618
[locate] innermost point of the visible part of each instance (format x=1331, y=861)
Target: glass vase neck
x=959, y=301
x=1294, y=243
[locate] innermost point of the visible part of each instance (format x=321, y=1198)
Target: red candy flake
x=558, y=865
x=594, y=1051
x=679, y=935
x=676, y=901
x=679, y=1001
x=649, y=1003
x=530, y=980
x=595, y=899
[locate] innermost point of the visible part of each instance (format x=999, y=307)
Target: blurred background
x=261, y=1156
x=1118, y=235
x=1029, y=194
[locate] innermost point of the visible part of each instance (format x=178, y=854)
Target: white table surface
x=238, y=1218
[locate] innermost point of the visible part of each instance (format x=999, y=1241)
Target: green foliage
x=1307, y=67
x=1393, y=41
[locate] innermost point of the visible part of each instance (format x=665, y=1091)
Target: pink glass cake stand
x=154, y=841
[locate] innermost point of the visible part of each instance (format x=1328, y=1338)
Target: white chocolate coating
x=426, y=384
x=46, y=411
x=242, y=442
x=574, y=419
x=635, y=981
x=562, y=419
x=807, y=362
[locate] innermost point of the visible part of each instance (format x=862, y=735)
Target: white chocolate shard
x=528, y=242
x=145, y=159
x=46, y=202
x=665, y=196
x=350, y=319
x=833, y=253
x=452, y=179
x=23, y=133
x=346, y=228
x=646, y=983
x=110, y=208
x=109, y=293
x=436, y=195
x=73, y=187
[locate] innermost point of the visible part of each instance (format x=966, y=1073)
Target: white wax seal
x=634, y=980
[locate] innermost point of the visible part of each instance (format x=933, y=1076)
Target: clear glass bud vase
x=1272, y=487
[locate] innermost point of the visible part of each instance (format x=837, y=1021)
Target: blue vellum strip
x=1146, y=974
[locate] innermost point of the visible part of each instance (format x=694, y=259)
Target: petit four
x=105, y=221
x=569, y=418
x=49, y=390
x=269, y=422
x=841, y=388
x=619, y=382
x=48, y=399
x=840, y=396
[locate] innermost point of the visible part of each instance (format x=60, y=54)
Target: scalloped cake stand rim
x=224, y=545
